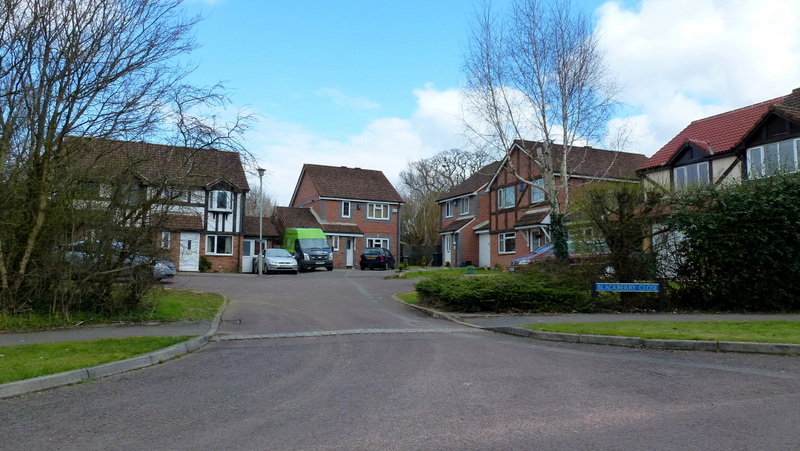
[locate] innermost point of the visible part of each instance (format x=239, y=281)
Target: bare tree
x=424, y=181
x=71, y=69
x=537, y=73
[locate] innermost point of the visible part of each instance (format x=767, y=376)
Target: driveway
x=324, y=361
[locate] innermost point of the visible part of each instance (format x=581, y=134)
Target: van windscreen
x=314, y=243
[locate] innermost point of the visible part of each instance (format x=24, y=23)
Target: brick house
x=512, y=217
x=465, y=219
x=356, y=208
x=206, y=190
x=753, y=141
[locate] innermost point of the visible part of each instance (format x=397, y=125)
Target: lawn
x=27, y=361
x=409, y=298
x=441, y=272
x=749, y=331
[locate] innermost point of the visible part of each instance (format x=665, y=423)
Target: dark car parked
x=377, y=257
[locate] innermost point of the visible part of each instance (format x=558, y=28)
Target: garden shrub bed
x=503, y=293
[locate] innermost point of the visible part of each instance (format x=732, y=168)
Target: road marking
x=327, y=333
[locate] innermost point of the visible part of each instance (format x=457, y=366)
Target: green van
x=310, y=247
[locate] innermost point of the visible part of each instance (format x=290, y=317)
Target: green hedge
x=501, y=293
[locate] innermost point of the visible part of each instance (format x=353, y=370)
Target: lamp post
x=260, y=221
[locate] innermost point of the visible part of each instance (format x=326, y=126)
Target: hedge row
x=501, y=293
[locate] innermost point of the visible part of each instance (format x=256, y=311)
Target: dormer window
x=693, y=174
x=221, y=201
x=770, y=159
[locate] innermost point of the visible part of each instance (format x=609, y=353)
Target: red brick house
x=356, y=208
x=512, y=217
x=753, y=141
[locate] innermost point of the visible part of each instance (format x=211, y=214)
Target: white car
x=276, y=260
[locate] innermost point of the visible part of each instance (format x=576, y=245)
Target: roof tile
x=351, y=183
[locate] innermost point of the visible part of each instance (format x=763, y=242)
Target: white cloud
x=681, y=60
x=340, y=98
x=386, y=144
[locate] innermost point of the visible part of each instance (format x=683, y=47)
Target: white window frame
x=502, y=239
x=166, y=237
x=537, y=195
x=463, y=206
x=448, y=209
x=378, y=242
x=683, y=175
x=212, y=241
x=378, y=212
x=214, y=201
x=347, y=209
x=502, y=197
x=758, y=166
x=334, y=242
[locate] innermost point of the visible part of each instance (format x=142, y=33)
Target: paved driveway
x=342, y=366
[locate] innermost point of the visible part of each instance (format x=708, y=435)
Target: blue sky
x=375, y=84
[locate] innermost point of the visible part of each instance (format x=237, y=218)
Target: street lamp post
x=261, y=221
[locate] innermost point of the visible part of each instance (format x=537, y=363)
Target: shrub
x=205, y=264
x=501, y=293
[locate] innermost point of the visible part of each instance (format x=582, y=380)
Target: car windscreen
x=314, y=243
x=278, y=253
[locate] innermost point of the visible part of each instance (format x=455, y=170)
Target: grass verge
x=750, y=331
x=422, y=273
x=409, y=298
x=27, y=361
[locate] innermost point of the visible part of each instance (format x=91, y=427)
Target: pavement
x=204, y=331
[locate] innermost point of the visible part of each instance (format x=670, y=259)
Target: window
x=773, y=158
x=537, y=194
x=219, y=244
x=506, y=197
x=378, y=211
x=507, y=243
x=334, y=243
x=448, y=209
x=345, y=208
x=220, y=201
x=693, y=174
x=463, y=207
x=534, y=239
x=165, y=238
x=378, y=242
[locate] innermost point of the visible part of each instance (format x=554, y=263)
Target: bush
x=742, y=245
x=205, y=264
x=502, y=293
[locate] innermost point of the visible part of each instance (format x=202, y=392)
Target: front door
x=248, y=254
x=190, y=252
x=484, y=251
x=447, y=249
x=348, y=252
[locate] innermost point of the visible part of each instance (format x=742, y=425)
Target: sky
x=376, y=84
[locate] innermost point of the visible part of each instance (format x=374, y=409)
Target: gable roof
x=474, y=182
x=251, y=227
x=719, y=133
x=179, y=166
x=586, y=161
x=342, y=182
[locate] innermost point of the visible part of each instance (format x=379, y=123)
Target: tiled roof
x=297, y=217
x=455, y=226
x=251, y=226
x=350, y=229
x=351, y=183
x=532, y=218
x=721, y=132
x=158, y=163
x=184, y=222
x=474, y=182
x=598, y=163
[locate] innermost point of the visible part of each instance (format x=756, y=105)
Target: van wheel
x=363, y=267
x=329, y=268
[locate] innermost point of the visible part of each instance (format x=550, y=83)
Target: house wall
x=305, y=192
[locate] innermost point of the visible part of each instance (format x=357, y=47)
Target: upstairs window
x=537, y=194
x=345, y=208
x=463, y=206
x=220, y=201
x=378, y=211
x=774, y=158
x=506, y=197
x=693, y=174
x=448, y=209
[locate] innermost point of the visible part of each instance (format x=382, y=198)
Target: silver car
x=276, y=260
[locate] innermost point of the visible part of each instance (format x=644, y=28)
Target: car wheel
x=363, y=267
x=385, y=266
x=295, y=272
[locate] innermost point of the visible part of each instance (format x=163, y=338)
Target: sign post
x=631, y=288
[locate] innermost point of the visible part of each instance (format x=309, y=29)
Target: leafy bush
x=205, y=264
x=742, y=245
x=502, y=293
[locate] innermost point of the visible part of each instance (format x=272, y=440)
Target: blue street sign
x=629, y=287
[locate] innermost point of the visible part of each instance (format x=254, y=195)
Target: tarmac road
x=339, y=365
